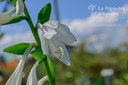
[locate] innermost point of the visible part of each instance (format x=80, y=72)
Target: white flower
x=54, y=37
x=19, y=7
x=16, y=77
x=6, y=17
x=32, y=78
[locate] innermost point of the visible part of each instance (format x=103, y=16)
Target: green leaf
x=44, y=14
x=13, y=2
x=16, y=19
x=17, y=48
x=51, y=66
x=37, y=55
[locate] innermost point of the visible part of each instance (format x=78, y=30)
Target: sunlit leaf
x=44, y=14
x=17, y=48
x=37, y=55
x=16, y=19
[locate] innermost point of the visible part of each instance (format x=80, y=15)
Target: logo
x=92, y=7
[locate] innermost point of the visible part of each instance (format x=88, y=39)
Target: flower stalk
x=37, y=39
x=42, y=80
x=33, y=30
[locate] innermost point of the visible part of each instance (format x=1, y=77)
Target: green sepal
x=51, y=66
x=13, y=2
x=17, y=48
x=44, y=14
x=16, y=19
x=38, y=55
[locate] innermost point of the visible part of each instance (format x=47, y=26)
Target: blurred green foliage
x=86, y=67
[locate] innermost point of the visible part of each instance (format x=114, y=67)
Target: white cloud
x=101, y=28
x=98, y=22
x=94, y=29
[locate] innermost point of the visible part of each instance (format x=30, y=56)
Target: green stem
x=37, y=39
x=46, y=66
x=33, y=30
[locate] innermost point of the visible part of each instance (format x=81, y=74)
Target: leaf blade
x=16, y=19
x=17, y=48
x=37, y=55
x=44, y=14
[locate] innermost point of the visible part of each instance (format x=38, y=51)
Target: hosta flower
x=19, y=7
x=54, y=37
x=16, y=77
x=6, y=17
x=32, y=78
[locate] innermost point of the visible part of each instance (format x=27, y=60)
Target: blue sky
x=70, y=9
x=76, y=15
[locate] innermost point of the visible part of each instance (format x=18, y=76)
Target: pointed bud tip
x=49, y=4
x=68, y=64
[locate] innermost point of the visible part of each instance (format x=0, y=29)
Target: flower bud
x=6, y=17
x=19, y=7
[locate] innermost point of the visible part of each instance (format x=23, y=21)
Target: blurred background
x=100, y=55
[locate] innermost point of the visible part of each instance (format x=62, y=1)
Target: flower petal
x=64, y=57
x=40, y=26
x=32, y=78
x=44, y=45
x=48, y=32
x=64, y=34
x=19, y=7
x=16, y=77
x=52, y=47
x=51, y=24
x=4, y=18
